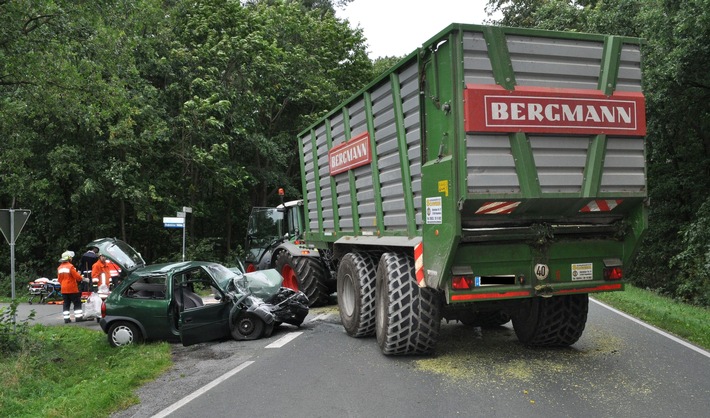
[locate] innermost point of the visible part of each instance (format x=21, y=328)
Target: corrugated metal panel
x=310, y=179
x=629, y=78
x=476, y=64
x=560, y=162
x=388, y=157
x=560, y=63
x=624, y=166
x=491, y=168
x=337, y=130
x=409, y=91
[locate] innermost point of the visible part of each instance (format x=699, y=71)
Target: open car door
x=204, y=323
x=199, y=321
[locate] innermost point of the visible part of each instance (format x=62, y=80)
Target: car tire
x=124, y=333
x=356, y=294
x=247, y=327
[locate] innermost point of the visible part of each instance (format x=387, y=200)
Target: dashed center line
x=284, y=340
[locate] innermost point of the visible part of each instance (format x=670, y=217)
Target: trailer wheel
x=408, y=317
x=552, y=322
x=356, y=294
x=306, y=274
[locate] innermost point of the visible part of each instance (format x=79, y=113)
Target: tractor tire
x=356, y=294
x=408, y=317
x=306, y=274
x=557, y=321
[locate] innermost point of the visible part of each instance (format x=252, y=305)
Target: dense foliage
x=675, y=256
x=116, y=113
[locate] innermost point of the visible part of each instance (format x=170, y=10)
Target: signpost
x=11, y=223
x=178, y=222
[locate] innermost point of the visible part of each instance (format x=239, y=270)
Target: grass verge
x=73, y=372
x=691, y=323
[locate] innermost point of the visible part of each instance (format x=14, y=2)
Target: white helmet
x=67, y=256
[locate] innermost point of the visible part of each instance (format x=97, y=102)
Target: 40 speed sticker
x=581, y=272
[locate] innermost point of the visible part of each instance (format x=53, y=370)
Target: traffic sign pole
x=12, y=251
x=10, y=228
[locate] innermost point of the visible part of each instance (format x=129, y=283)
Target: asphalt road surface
x=619, y=368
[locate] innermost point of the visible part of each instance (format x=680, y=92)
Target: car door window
x=148, y=287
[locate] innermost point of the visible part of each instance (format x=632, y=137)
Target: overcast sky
x=398, y=27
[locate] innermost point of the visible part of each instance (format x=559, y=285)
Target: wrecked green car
x=192, y=301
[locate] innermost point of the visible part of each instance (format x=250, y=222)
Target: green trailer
x=494, y=174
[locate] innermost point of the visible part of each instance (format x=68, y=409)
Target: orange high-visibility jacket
x=101, y=273
x=68, y=277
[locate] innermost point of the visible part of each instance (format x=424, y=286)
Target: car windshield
x=222, y=275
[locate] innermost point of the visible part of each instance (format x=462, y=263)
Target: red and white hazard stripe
x=601, y=205
x=419, y=264
x=497, y=208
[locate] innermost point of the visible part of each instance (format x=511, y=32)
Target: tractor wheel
x=356, y=294
x=408, y=317
x=124, y=333
x=557, y=321
x=306, y=274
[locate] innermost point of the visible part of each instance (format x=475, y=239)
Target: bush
x=692, y=282
x=14, y=336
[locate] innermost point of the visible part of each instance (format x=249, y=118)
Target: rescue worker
x=101, y=273
x=86, y=263
x=69, y=279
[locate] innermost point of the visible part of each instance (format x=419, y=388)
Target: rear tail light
x=613, y=273
x=103, y=309
x=250, y=268
x=461, y=283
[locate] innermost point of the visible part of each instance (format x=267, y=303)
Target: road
x=619, y=368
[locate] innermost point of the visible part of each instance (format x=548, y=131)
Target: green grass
x=691, y=323
x=73, y=372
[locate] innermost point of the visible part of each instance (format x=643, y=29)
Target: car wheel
x=123, y=333
x=247, y=327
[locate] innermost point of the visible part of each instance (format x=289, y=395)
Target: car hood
x=120, y=253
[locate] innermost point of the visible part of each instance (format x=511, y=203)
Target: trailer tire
x=552, y=322
x=356, y=294
x=408, y=317
x=307, y=274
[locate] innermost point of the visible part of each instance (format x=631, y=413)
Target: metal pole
x=12, y=251
x=12, y=262
x=184, y=227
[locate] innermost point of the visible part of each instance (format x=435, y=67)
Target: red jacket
x=68, y=277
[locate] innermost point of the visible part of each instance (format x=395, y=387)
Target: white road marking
x=654, y=329
x=174, y=407
x=284, y=340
